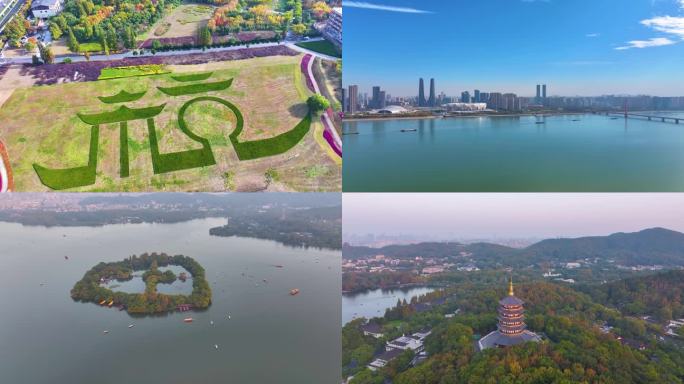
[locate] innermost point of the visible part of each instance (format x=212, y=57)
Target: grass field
x=137, y=70
x=323, y=46
x=182, y=21
x=89, y=47
x=51, y=126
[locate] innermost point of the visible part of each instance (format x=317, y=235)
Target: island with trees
x=90, y=289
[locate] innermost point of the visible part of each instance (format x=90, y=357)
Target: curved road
x=329, y=127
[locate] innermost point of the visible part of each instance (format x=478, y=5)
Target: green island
x=89, y=288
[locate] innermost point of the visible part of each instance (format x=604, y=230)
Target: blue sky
x=577, y=47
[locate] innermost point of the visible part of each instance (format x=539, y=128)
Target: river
x=565, y=153
x=373, y=303
x=272, y=337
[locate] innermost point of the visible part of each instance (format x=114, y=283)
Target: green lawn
x=324, y=46
x=89, y=47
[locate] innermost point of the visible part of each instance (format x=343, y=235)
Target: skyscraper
x=538, y=92
x=465, y=97
x=345, y=103
x=375, y=101
x=511, y=328
x=433, y=100
x=421, y=93
x=353, y=98
x=544, y=91
x=477, y=96
x=382, y=100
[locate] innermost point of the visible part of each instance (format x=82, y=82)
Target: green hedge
x=134, y=70
x=176, y=161
x=122, y=97
x=196, y=88
x=123, y=149
x=193, y=77
x=123, y=113
x=59, y=179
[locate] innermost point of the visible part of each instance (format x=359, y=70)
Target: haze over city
x=582, y=47
x=489, y=216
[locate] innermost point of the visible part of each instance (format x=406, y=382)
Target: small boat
x=105, y=332
x=131, y=325
x=228, y=317
x=576, y=120
x=188, y=320
x=216, y=346
x=265, y=281
x=101, y=302
x=409, y=130
x=211, y=322
x=66, y=257
x=278, y=266
x=294, y=291
x=349, y=133
x=540, y=122
x=110, y=303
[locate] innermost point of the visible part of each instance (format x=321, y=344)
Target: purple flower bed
x=305, y=69
x=90, y=71
x=329, y=138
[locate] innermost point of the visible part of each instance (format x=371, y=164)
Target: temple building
x=511, y=329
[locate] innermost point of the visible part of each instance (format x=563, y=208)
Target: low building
x=44, y=9
x=391, y=110
x=333, y=28
x=405, y=343
x=466, y=107
x=384, y=358
x=372, y=329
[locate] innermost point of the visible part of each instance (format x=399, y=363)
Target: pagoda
x=511, y=328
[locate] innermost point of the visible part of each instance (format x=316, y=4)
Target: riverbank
x=417, y=117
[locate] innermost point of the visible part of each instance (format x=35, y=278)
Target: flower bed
x=305, y=69
x=89, y=71
x=133, y=70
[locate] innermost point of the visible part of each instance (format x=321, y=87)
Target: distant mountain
x=650, y=246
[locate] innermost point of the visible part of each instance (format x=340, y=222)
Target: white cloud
x=380, y=7
x=654, y=42
x=667, y=24
x=596, y=34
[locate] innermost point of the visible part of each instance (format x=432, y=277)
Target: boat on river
x=188, y=320
x=294, y=291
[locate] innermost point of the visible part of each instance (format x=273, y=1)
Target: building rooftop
x=498, y=339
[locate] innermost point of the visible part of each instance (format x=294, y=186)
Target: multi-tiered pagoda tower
x=511, y=329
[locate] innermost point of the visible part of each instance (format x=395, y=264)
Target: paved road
x=329, y=126
x=77, y=58
x=11, y=14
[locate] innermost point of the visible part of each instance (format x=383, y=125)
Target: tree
x=299, y=29
x=29, y=46
x=129, y=38
x=55, y=31
x=72, y=43
x=46, y=54
x=112, y=38
x=204, y=37
x=317, y=103
x=86, y=54
x=105, y=46
x=35, y=60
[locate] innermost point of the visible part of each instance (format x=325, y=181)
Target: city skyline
x=630, y=52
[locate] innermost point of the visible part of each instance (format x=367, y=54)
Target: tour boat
x=409, y=130
x=188, y=320
x=294, y=291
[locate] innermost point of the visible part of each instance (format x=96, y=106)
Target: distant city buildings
x=480, y=101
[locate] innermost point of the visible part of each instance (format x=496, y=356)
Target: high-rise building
x=375, y=101
x=465, y=97
x=476, y=96
x=484, y=97
x=495, y=101
x=544, y=91
x=353, y=98
x=538, y=91
x=345, y=102
x=511, y=328
x=432, y=101
x=421, y=93
x=333, y=27
x=382, y=100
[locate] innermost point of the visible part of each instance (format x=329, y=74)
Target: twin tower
x=432, y=101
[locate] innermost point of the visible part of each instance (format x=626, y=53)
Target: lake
x=514, y=154
x=373, y=303
x=272, y=337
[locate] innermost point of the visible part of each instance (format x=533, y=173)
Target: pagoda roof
x=511, y=300
x=498, y=339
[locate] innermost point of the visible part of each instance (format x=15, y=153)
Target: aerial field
x=232, y=125
x=182, y=21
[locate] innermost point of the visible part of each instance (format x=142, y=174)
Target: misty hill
x=651, y=246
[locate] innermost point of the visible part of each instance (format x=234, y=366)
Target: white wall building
x=44, y=9
x=333, y=29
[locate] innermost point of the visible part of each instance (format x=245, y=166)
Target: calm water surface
x=514, y=154
x=373, y=303
x=272, y=337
